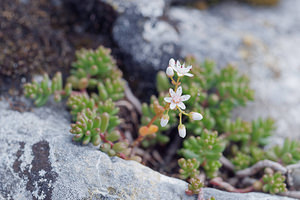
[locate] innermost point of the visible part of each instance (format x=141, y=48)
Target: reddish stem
x=102, y=136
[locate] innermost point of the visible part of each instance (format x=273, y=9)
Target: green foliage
x=247, y=140
x=109, y=107
x=95, y=114
x=78, y=102
x=274, y=183
x=148, y=112
x=92, y=66
x=40, y=92
x=195, y=186
x=110, y=89
x=289, y=153
x=88, y=127
x=241, y=161
x=189, y=168
x=206, y=149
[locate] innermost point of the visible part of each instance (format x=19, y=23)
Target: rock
x=145, y=38
x=38, y=160
x=148, y=44
x=262, y=42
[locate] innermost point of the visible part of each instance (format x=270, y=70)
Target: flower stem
x=177, y=83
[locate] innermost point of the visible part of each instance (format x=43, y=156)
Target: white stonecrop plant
x=175, y=100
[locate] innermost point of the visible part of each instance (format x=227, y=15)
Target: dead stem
x=218, y=181
x=259, y=166
x=226, y=163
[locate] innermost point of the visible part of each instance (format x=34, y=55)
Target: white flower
x=171, y=62
x=195, y=116
x=176, y=99
x=182, y=130
x=170, y=72
x=180, y=69
x=164, y=120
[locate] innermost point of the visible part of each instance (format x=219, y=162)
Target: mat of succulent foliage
x=216, y=151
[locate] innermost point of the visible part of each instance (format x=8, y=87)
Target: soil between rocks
x=41, y=37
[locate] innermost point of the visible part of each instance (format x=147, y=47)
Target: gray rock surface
x=263, y=42
x=38, y=160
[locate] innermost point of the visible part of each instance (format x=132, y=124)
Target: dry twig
x=218, y=181
x=133, y=100
x=259, y=166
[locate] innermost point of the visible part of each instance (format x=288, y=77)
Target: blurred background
x=260, y=37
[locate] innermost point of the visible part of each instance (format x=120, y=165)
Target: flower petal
x=182, y=130
x=172, y=63
x=189, y=74
x=164, y=120
x=189, y=67
x=181, y=105
x=185, y=97
x=178, y=65
x=179, y=74
x=171, y=91
x=179, y=91
x=168, y=99
x=172, y=106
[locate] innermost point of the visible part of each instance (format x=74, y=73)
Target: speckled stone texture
x=38, y=160
x=263, y=42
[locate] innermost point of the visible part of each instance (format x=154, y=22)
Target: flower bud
x=182, y=130
x=170, y=72
x=171, y=62
x=195, y=116
x=164, y=120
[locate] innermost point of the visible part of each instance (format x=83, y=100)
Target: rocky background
x=37, y=159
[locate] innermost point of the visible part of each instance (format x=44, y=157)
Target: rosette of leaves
x=206, y=149
x=91, y=67
x=78, y=102
x=88, y=127
x=289, y=153
x=241, y=161
x=109, y=107
x=195, y=186
x=40, y=92
x=274, y=183
x=189, y=168
x=110, y=89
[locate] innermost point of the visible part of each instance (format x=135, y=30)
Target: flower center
x=176, y=99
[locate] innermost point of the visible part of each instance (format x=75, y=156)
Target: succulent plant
x=109, y=107
x=189, y=168
x=206, y=149
x=41, y=92
x=78, y=102
x=274, y=183
x=289, y=153
x=241, y=161
x=195, y=186
x=93, y=66
x=148, y=112
x=88, y=127
x=110, y=89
